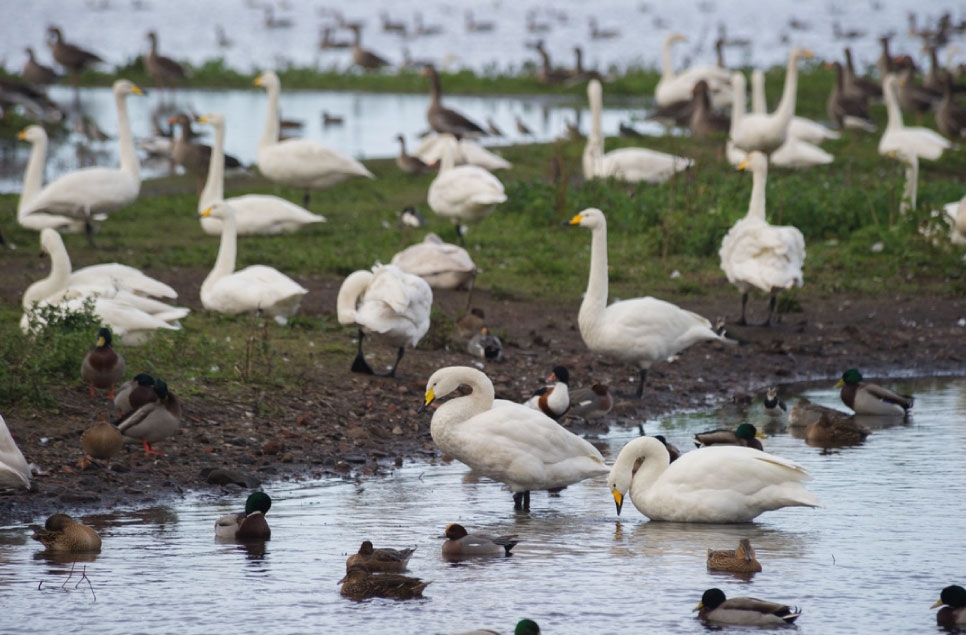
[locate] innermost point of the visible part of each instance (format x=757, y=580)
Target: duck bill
x=937, y=604
x=840, y=383
x=698, y=607
x=618, y=500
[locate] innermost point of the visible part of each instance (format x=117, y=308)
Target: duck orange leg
x=149, y=450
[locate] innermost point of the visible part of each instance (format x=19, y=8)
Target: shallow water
x=873, y=560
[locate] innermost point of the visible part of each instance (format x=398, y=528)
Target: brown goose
x=442, y=119
x=950, y=116
x=407, y=162
x=854, y=84
x=913, y=97
x=36, y=73
x=704, y=120
x=885, y=63
x=848, y=110
x=364, y=57
x=327, y=42
x=193, y=157
x=546, y=74
x=579, y=73
x=72, y=57
x=162, y=68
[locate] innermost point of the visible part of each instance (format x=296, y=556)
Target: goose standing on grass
x=88, y=192
x=254, y=213
x=950, y=116
x=672, y=88
x=36, y=73
x=299, y=163
x=408, y=163
x=639, y=330
x=714, y=608
x=387, y=303
x=70, y=56
x=442, y=265
x=719, y=484
x=162, y=69
x=871, y=399
x=627, y=164
x=513, y=444
x=755, y=254
x=845, y=108
x=102, y=366
x=154, y=421
x=255, y=289
x=442, y=119
x=33, y=182
x=361, y=57
x=923, y=142
x=553, y=400
x=14, y=470
x=463, y=193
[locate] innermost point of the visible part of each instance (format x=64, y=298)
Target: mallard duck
x=774, y=406
x=953, y=612
x=153, y=421
x=102, y=366
x=719, y=484
x=870, y=399
x=247, y=525
x=134, y=393
x=63, y=533
x=740, y=560
x=523, y=627
x=384, y=560
x=591, y=403
x=101, y=441
x=513, y=444
x=553, y=400
x=359, y=584
x=14, y=471
x=831, y=430
x=461, y=544
x=485, y=345
x=714, y=607
x=805, y=412
x=746, y=435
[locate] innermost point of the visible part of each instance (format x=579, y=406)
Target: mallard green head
x=143, y=379
x=258, y=502
x=953, y=595
x=711, y=599
x=161, y=390
x=526, y=627
x=851, y=377
x=747, y=431
x=103, y=337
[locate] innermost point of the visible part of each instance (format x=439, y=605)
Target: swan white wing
x=466, y=192
x=305, y=163
x=475, y=154
x=759, y=132
x=649, y=328
x=767, y=257
x=90, y=189
x=442, y=265
x=263, y=214
x=798, y=153
x=121, y=277
x=680, y=87
x=810, y=131
x=923, y=142
x=641, y=164
x=396, y=303
x=14, y=470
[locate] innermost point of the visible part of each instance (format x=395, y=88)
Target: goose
x=952, y=615
x=672, y=88
x=871, y=399
x=591, y=403
x=461, y=544
x=36, y=73
x=492, y=128
x=467, y=151
x=755, y=254
x=740, y=560
x=472, y=25
x=384, y=560
x=513, y=444
x=194, y=157
x=626, y=164
x=745, y=435
x=523, y=128
x=463, y=193
x=299, y=162
x=154, y=421
x=391, y=26
x=254, y=289
x=858, y=86
x=579, y=74
x=364, y=58
x=639, y=330
x=425, y=29
x=799, y=127
x=553, y=400
x=442, y=265
x=885, y=63
x=388, y=303
x=64, y=534
x=847, y=109
x=70, y=56
x=923, y=142
x=134, y=393
x=326, y=41
x=950, y=116
x=442, y=119
x=14, y=470
x=162, y=68
x=767, y=132
x=719, y=484
x=102, y=366
x=254, y=213
x=704, y=120
x=249, y=524
x=360, y=584
x=88, y=192
x=715, y=608
x=546, y=73
x=523, y=627
x=597, y=33
x=408, y=163
x=101, y=441
x=913, y=97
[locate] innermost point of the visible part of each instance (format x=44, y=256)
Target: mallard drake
x=385, y=560
x=247, y=525
x=740, y=560
x=102, y=367
x=101, y=441
x=746, y=435
x=714, y=607
x=773, y=405
x=591, y=403
x=134, y=393
x=870, y=399
x=63, y=533
x=830, y=430
x=359, y=584
x=461, y=544
x=153, y=421
x=14, y=471
x=553, y=400
x=485, y=345
x=953, y=612
x=523, y=627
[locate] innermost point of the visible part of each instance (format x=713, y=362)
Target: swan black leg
x=521, y=501
x=744, y=302
x=305, y=199
x=771, y=310
x=640, y=387
x=399, y=356
x=359, y=364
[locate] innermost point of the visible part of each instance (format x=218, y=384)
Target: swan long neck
x=215, y=184
x=595, y=300
x=786, y=107
x=447, y=158
x=352, y=289
x=737, y=101
x=59, y=276
x=758, y=105
x=462, y=408
x=270, y=135
x=759, y=181
x=33, y=177
x=125, y=140
x=227, y=251
x=667, y=64
x=892, y=104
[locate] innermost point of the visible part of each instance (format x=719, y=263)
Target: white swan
x=678, y=87
x=799, y=149
x=627, y=164
x=388, y=303
x=513, y=444
x=257, y=288
x=925, y=143
x=442, y=265
x=431, y=150
x=956, y=217
x=88, y=192
x=463, y=193
x=299, y=162
x=716, y=484
x=755, y=254
x=640, y=330
x=767, y=132
x=14, y=471
x=254, y=213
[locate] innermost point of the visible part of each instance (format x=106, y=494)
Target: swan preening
x=85, y=194
x=923, y=142
x=640, y=331
x=254, y=213
x=388, y=304
x=513, y=444
x=716, y=484
x=757, y=255
x=299, y=162
x=626, y=164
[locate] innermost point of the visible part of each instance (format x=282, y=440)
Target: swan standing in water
x=755, y=254
x=254, y=213
x=923, y=142
x=640, y=330
x=299, y=162
x=513, y=444
x=254, y=289
x=88, y=192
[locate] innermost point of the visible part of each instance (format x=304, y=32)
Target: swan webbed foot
x=360, y=365
x=521, y=501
